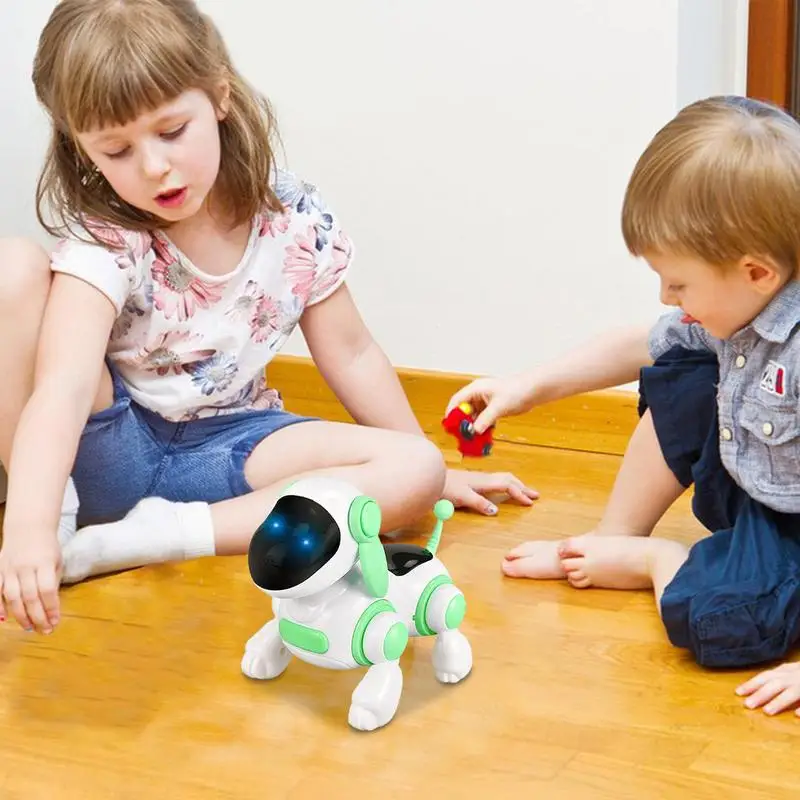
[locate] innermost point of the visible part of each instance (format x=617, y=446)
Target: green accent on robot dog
x=395, y=641
x=364, y=521
x=369, y=613
x=456, y=610
x=443, y=510
x=300, y=636
x=420, y=615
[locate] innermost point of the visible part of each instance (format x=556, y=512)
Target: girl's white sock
x=153, y=532
x=68, y=524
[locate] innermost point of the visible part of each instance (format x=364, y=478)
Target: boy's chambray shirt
x=757, y=395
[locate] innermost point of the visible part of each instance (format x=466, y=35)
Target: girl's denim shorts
x=127, y=453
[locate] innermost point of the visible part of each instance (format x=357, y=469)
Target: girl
x=185, y=260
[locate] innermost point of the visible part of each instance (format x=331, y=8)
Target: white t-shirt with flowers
x=189, y=345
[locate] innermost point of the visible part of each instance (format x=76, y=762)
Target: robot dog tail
x=443, y=510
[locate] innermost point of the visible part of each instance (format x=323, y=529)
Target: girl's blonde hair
x=105, y=62
x=718, y=182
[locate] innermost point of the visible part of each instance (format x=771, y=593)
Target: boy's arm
x=73, y=341
x=610, y=359
x=607, y=360
x=615, y=358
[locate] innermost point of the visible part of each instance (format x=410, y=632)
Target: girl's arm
x=74, y=337
x=362, y=377
x=354, y=366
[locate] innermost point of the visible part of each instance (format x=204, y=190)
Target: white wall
x=712, y=48
x=471, y=148
x=23, y=134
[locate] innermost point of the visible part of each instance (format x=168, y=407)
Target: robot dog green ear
x=364, y=519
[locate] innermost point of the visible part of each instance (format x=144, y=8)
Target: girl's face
x=166, y=161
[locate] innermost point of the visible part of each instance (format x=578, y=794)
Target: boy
x=713, y=206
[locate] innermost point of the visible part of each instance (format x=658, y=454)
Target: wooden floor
x=573, y=695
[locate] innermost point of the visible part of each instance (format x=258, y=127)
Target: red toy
x=458, y=423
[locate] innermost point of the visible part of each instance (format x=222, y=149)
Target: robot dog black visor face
x=293, y=543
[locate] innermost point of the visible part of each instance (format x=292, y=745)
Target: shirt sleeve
x=670, y=331
x=332, y=266
x=112, y=269
x=322, y=252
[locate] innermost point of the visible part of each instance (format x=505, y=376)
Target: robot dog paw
x=377, y=696
x=265, y=666
x=364, y=719
x=265, y=655
x=452, y=657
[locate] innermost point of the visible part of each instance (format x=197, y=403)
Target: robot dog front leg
x=265, y=656
x=378, y=641
x=440, y=612
x=377, y=696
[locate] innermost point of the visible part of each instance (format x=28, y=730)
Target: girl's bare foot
x=610, y=562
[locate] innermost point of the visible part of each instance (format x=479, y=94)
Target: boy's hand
x=466, y=489
x=30, y=574
x=779, y=688
x=495, y=398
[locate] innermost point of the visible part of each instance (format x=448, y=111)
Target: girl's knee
x=423, y=470
x=26, y=270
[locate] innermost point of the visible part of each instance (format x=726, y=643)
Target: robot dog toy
x=342, y=599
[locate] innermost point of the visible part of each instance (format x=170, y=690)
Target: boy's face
x=722, y=300
x=166, y=161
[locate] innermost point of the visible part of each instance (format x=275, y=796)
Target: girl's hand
x=779, y=688
x=495, y=398
x=30, y=574
x=465, y=489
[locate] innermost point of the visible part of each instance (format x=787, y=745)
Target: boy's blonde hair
x=718, y=182
x=105, y=62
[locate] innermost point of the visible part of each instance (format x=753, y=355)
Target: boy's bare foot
x=609, y=562
x=540, y=560
x=537, y=560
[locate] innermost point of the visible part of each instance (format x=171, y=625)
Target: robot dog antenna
x=443, y=510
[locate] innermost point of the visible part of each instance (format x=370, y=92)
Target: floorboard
x=574, y=694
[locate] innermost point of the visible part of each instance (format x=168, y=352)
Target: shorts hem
x=241, y=451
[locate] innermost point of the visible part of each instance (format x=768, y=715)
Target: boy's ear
x=223, y=98
x=761, y=274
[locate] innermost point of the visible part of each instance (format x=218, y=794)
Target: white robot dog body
x=343, y=600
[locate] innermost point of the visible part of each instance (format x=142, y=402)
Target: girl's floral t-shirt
x=189, y=345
